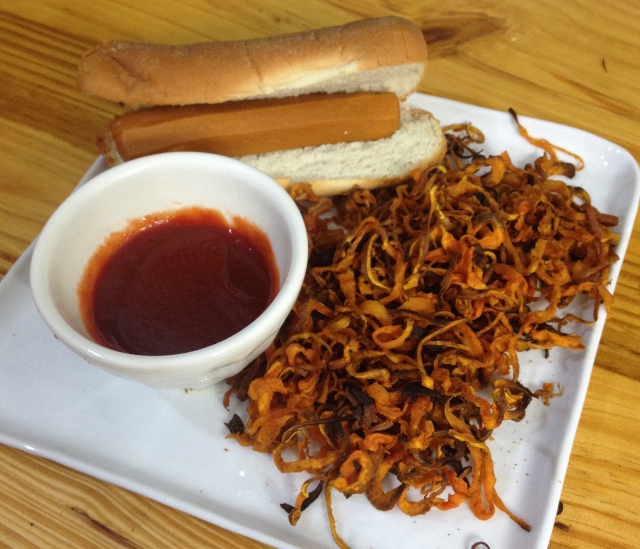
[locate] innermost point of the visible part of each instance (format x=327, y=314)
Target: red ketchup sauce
x=174, y=282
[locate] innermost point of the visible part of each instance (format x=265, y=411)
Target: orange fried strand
x=415, y=299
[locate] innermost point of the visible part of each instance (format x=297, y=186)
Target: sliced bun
x=379, y=54
x=334, y=169
x=385, y=54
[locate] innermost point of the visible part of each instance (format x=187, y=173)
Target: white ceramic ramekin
x=147, y=185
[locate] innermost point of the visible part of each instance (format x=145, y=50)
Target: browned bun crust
x=212, y=72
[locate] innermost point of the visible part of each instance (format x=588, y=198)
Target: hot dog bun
x=372, y=56
x=337, y=168
x=375, y=55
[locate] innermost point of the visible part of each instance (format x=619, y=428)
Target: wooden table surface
x=576, y=63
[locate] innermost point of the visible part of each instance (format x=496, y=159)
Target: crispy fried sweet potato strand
x=416, y=297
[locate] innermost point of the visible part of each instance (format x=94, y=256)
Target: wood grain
x=576, y=63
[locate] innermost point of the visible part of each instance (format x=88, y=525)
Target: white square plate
x=171, y=446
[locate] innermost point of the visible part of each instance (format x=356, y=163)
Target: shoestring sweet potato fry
x=419, y=298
